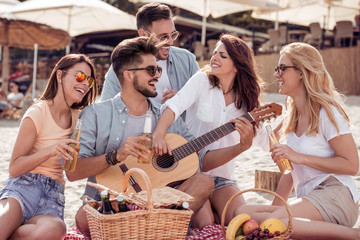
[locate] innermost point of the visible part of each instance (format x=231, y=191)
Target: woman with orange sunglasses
x=32, y=201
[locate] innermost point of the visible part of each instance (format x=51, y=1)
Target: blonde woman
x=320, y=147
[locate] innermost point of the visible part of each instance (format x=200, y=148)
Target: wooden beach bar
x=343, y=65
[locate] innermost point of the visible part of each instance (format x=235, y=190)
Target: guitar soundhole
x=164, y=162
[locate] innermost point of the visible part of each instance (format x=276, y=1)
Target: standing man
x=178, y=64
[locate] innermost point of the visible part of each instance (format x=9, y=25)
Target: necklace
x=228, y=91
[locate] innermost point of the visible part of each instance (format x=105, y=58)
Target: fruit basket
x=147, y=223
x=283, y=236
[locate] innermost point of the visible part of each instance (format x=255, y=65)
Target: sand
x=252, y=159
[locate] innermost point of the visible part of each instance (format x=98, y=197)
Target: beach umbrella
x=25, y=34
x=75, y=16
x=304, y=12
x=215, y=8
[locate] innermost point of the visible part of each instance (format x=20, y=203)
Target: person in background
x=321, y=149
x=13, y=99
x=178, y=64
x=32, y=200
x=226, y=89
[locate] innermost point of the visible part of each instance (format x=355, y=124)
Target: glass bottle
x=71, y=164
x=284, y=164
x=147, y=133
x=183, y=206
x=106, y=207
x=122, y=203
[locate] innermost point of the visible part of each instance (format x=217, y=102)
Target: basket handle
x=289, y=228
x=142, y=173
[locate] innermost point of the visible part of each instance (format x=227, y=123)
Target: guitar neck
x=206, y=139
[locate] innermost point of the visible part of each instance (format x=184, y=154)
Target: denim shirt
x=103, y=127
x=181, y=66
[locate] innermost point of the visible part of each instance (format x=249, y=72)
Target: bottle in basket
x=92, y=202
x=183, y=206
x=106, y=207
x=284, y=164
x=122, y=203
x=71, y=164
x=146, y=133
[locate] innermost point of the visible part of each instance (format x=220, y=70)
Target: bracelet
x=111, y=158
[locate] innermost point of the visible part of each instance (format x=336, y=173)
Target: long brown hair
x=66, y=63
x=246, y=82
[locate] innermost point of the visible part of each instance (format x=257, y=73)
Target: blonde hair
x=319, y=86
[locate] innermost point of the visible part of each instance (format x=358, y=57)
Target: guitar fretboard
x=206, y=139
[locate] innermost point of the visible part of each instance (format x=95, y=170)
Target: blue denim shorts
x=220, y=182
x=36, y=194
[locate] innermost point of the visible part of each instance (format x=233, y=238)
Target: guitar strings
x=182, y=150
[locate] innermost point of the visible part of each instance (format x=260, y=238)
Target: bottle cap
x=185, y=205
x=120, y=198
x=104, y=193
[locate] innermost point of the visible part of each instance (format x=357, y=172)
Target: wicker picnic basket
x=284, y=236
x=145, y=224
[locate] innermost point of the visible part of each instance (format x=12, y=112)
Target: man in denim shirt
x=111, y=130
x=178, y=64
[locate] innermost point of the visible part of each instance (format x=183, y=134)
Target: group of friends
x=147, y=71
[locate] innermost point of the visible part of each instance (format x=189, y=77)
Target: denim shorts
x=220, y=182
x=36, y=194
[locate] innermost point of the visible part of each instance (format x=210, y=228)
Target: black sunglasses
x=150, y=69
x=281, y=68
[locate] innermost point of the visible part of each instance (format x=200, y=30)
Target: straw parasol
x=30, y=35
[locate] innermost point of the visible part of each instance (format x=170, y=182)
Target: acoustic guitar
x=183, y=163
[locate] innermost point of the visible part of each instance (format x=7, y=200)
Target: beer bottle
x=106, y=207
x=284, y=164
x=182, y=206
x=92, y=202
x=147, y=133
x=71, y=164
x=122, y=204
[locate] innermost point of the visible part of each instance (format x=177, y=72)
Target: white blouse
x=307, y=178
x=206, y=110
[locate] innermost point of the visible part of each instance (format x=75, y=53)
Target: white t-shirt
x=206, y=110
x=163, y=84
x=307, y=178
x=13, y=98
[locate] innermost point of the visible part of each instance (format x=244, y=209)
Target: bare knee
x=81, y=222
x=54, y=230
x=204, y=181
x=42, y=227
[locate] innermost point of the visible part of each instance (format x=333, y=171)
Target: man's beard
x=160, y=56
x=144, y=91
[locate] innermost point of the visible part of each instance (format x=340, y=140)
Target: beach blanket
x=207, y=233
x=211, y=232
